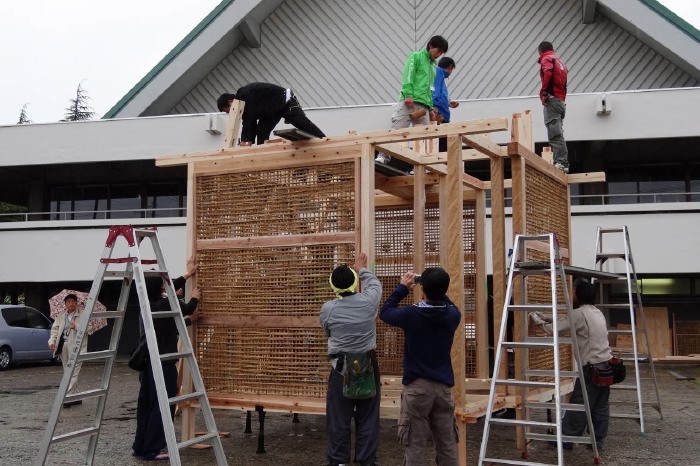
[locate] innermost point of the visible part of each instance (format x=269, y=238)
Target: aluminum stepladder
x=520, y=268
x=615, y=255
x=134, y=272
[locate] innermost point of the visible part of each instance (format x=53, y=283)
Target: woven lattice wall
x=265, y=300
x=394, y=257
x=546, y=211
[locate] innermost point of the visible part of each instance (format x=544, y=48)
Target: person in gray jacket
x=592, y=337
x=349, y=323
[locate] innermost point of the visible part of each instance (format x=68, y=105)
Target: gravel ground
x=27, y=393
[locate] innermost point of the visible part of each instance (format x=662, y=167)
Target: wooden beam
x=400, y=152
x=271, y=161
x=468, y=155
x=484, y=144
x=275, y=241
x=534, y=160
x=590, y=177
x=377, y=137
x=233, y=125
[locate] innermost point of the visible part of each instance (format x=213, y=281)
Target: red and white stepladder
x=132, y=271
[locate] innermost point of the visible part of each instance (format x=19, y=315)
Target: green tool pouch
x=359, y=378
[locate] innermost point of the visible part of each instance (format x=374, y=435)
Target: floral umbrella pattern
x=57, y=306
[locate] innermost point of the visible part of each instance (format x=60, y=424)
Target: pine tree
x=23, y=118
x=79, y=108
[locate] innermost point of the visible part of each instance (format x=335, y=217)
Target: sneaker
x=562, y=167
x=383, y=159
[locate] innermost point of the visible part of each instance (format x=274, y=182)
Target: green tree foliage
x=23, y=118
x=79, y=108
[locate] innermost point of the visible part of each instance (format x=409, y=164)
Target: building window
x=125, y=202
x=165, y=200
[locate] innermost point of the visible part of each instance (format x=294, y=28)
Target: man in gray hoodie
x=349, y=323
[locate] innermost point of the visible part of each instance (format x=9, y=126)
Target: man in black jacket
x=265, y=105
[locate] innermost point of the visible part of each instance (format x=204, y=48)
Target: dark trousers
x=339, y=414
x=294, y=115
x=575, y=422
x=150, y=434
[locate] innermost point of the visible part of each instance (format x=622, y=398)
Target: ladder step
x=623, y=387
x=164, y=314
x=550, y=405
x=94, y=393
x=192, y=441
x=107, y=315
x=611, y=230
x=614, y=306
x=75, y=434
x=514, y=462
x=525, y=383
x=144, y=232
x=548, y=373
x=522, y=423
x=96, y=355
x=536, y=342
x=171, y=356
x=535, y=307
x=632, y=403
x=608, y=255
x=624, y=416
x=550, y=437
x=614, y=331
x=154, y=273
x=185, y=397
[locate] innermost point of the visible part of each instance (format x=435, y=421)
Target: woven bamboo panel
x=253, y=293
x=270, y=361
x=276, y=202
x=394, y=257
x=546, y=211
x=687, y=337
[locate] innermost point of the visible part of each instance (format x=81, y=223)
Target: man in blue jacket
x=441, y=99
x=426, y=401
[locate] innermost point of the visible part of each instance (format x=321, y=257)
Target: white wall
x=661, y=113
x=38, y=255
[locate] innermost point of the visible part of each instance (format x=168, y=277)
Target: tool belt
x=601, y=374
x=359, y=379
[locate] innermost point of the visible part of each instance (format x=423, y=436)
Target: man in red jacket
x=553, y=74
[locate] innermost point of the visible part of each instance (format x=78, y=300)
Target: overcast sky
x=49, y=46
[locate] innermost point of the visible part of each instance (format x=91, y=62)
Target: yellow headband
x=350, y=289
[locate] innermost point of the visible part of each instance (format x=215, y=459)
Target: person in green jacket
x=416, y=98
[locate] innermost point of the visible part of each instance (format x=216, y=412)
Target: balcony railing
x=168, y=212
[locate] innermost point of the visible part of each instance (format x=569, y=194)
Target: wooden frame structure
x=269, y=222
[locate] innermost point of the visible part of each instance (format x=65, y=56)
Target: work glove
x=537, y=318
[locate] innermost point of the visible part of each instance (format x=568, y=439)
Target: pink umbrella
x=57, y=306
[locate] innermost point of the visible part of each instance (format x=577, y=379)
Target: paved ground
x=27, y=392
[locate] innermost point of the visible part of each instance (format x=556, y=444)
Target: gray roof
x=338, y=53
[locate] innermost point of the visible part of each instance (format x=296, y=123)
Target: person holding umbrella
x=63, y=333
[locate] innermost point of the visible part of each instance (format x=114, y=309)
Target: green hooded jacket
x=418, y=78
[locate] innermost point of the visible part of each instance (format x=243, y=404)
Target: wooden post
x=498, y=251
x=418, y=221
x=188, y=414
x=452, y=224
x=365, y=215
x=517, y=165
x=481, y=319
x=233, y=125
